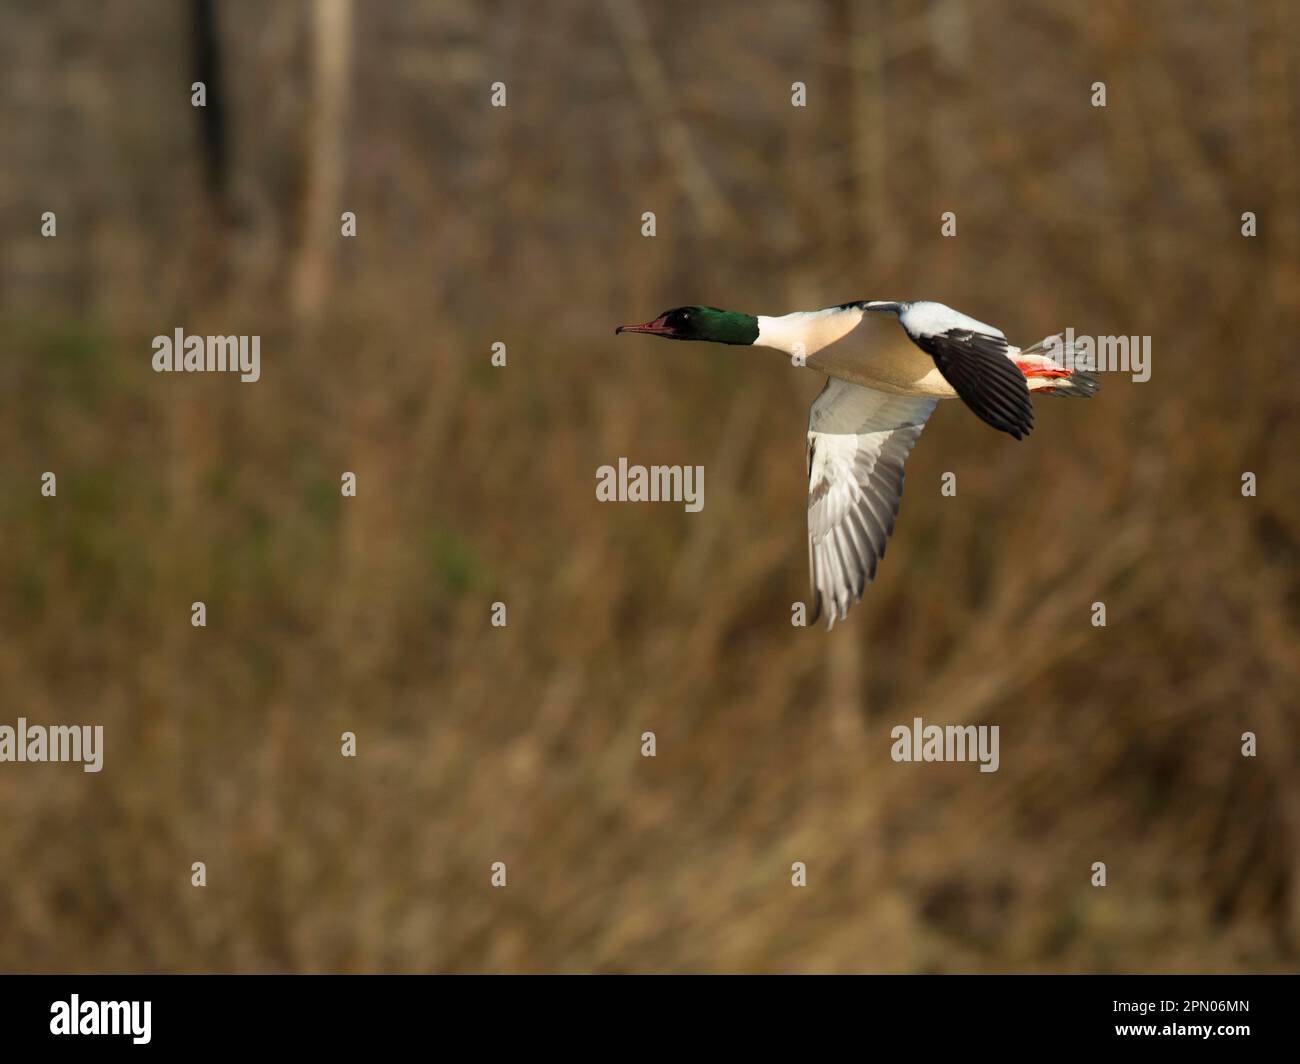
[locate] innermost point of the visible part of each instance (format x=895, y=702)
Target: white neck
x=805, y=332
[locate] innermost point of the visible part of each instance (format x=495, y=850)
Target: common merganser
x=880, y=391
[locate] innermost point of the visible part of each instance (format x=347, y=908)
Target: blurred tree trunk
x=209, y=269
x=331, y=28
x=864, y=26
x=212, y=116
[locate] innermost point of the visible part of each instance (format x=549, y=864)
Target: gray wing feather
x=858, y=440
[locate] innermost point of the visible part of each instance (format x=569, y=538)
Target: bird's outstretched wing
x=977, y=367
x=858, y=440
x=973, y=358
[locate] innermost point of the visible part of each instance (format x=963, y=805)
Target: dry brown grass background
x=477, y=484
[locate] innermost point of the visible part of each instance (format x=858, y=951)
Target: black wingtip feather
x=977, y=367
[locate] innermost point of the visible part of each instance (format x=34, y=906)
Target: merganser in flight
x=880, y=391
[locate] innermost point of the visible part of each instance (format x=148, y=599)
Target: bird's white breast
x=888, y=363
x=805, y=332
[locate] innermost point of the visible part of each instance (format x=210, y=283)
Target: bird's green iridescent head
x=700, y=323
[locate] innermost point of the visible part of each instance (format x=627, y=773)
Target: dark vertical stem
x=212, y=118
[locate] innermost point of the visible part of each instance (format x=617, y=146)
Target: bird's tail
x=1054, y=367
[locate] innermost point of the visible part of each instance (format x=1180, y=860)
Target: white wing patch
x=858, y=440
x=927, y=318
